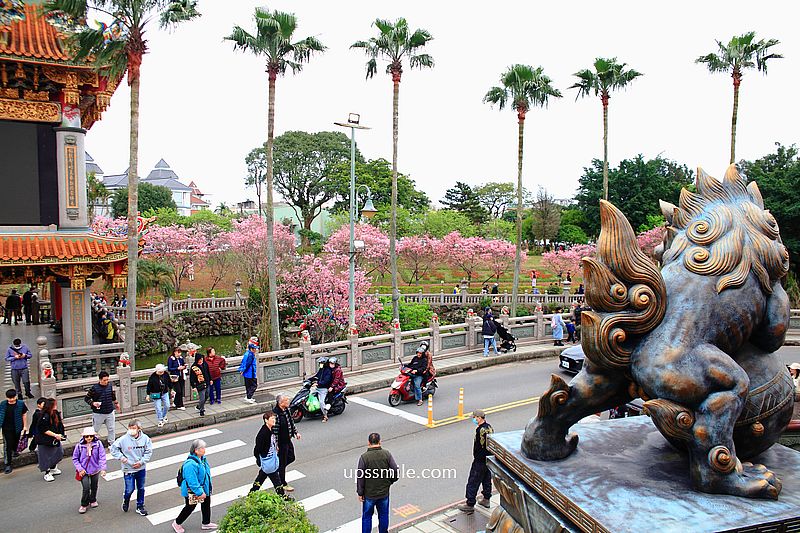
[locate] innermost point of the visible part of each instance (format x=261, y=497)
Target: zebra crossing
x=164, y=507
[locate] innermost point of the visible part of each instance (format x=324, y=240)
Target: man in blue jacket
x=18, y=355
x=247, y=369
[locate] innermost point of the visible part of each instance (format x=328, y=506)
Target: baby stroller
x=508, y=344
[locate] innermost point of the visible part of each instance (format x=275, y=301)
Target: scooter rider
x=330, y=380
x=417, y=368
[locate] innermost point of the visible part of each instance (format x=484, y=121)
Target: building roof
x=170, y=183
x=116, y=181
x=196, y=200
x=33, y=37
x=55, y=248
x=161, y=164
x=91, y=166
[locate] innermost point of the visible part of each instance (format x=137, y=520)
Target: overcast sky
x=204, y=105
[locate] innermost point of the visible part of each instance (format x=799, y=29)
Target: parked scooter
x=305, y=403
x=403, y=388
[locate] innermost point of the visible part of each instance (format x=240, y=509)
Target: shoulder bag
x=269, y=462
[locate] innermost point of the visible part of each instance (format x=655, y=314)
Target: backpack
x=179, y=477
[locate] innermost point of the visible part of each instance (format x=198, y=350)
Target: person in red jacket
x=216, y=364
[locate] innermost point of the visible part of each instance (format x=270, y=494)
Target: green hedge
x=266, y=512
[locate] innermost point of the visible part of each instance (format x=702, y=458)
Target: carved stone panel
x=231, y=380
x=454, y=341
x=374, y=355
x=282, y=371
x=524, y=331
x=74, y=407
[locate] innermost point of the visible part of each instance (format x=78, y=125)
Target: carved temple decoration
x=29, y=111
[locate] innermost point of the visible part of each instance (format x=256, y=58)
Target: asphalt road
x=325, y=455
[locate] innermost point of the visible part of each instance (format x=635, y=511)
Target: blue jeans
x=417, y=382
x=131, y=479
x=215, y=391
x=322, y=394
x=367, y=510
x=489, y=341
x=162, y=406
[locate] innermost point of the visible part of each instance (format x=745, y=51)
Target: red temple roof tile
x=55, y=248
x=33, y=37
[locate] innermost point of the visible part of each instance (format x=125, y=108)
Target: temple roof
x=60, y=248
x=91, y=166
x=34, y=38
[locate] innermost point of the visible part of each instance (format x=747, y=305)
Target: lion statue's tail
x=625, y=290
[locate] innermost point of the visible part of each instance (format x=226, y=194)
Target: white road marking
x=175, y=459
x=292, y=475
x=353, y=526
x=179, y=439
x=388, y=410
x=313, y=502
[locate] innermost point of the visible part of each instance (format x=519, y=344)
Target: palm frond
x=421, y=61
x=243, y=39
x=496, y=95
x=392, y=42
x=178, y=11
x=72, y=8
x=587, y=83
x=372, y=67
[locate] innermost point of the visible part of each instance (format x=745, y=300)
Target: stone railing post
x=355, y=351
x=37, y=359
x=441, y=296
x=168, y=305
x=471, y=324
x=125, y=385
x=47, y=377
x=565, y=288
x=436, y=336
x=308, y=358
x=539, y=324
x=397, y=340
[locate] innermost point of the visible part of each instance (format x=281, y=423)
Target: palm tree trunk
x=133, y=223
x=518, y=252
x=605, y=147
x=274, y=323
x=737, y=80
x=393, y=218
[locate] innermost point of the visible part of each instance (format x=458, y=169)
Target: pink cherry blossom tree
x=114, y=227
x=568, y=260
x=418, y=254
x=468, y=254
x=177, y=246
x=315, y=291
x=375, y=256
x=648, y=240
x=499, y=256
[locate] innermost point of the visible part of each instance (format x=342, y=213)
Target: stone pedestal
x=625, y=478
x=76, y=317
x=71, y=158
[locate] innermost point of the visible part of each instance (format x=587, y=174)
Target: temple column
x=72, y=202
x=76, y=315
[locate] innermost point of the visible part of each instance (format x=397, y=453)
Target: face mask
x=475, y=421
x=132, y=432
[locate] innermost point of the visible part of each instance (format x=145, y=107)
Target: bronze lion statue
x=694, y=339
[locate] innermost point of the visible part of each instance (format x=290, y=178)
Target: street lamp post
x=353, y=123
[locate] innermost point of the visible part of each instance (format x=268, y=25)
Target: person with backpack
x=106, y=328
x=18, y=355
x=266, y=454
x=13, y=419
x=158, y=391
x=194, y=479
x=247, y=368
x=488, y=330
x=103, y=401
x=199, y=379
x=89, y=458
x=134, y=450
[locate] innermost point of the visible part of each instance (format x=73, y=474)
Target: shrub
x=412, y=315
x=266, y=512
x=553, y=289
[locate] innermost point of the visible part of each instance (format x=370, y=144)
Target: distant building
x=188, y=198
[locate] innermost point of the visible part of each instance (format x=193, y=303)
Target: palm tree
x=96, y=194
x=157, y=276
x=223, y=209
x=273, y=40
x=739, y=54
x=607, y=76
x=394, y=43
x=523, y=87
x=121, y=53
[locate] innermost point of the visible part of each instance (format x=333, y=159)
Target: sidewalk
x=450, y=520
x=233, y=407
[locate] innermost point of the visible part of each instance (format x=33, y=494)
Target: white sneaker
x=181, y=408
x=250, y=400
x=55, y=471
x=165, y=420
x=160, y=423
x=49, y=477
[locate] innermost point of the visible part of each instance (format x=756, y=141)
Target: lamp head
x=369, y=208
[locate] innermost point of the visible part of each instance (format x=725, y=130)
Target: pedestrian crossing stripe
x=354, y=526
x=310, y=503
x=292, y=475
x=175, y=459
x=178, y=440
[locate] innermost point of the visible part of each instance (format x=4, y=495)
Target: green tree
x=302, y=163
x=572, y=234
x=497, y=228
x=395, y=42
x=496, y=197
x=608, y=75
x=151, y=197
x=778, y=178
x=741, y=52
x=115, y=57
x=636, y=186
x=377, y=174
x=439, y=222
x=256, y=163
x=523, y=87
x=96, y=193
x=274, y=42
x=155, y=276
x=462, y=198
x=573, y=216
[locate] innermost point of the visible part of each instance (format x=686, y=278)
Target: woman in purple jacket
x=89, y=459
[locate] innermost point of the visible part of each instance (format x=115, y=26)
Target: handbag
x=269, y=462
x=155, y=395
x=23, y=443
